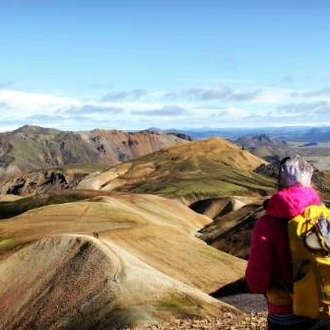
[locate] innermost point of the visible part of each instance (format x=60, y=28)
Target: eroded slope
x=146, y=264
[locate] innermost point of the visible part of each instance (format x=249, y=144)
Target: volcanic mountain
x=33, y=147
x=266, y=147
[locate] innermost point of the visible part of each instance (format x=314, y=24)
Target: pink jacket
x=269, y=266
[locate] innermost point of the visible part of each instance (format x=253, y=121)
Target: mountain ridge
x=211, y=167
x=33, y=147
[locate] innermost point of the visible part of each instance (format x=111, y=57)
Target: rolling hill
x=194, y=171
x=56, y=274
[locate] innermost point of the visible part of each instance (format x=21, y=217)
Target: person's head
x=293, y=171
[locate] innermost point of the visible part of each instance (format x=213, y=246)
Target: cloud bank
x=214, y=107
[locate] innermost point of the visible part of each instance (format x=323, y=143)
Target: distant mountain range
x=287, y=133
x=33, y=147
x=209, y=167
x=36, y=159
x=272, y=143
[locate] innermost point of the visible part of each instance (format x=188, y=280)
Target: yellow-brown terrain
x=129, y=244
x=211, y=167
x=145, y=266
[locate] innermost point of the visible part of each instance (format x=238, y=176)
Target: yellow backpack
x=309, y=238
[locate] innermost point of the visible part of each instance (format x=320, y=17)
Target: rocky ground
x=252, y=317
x=227, y=321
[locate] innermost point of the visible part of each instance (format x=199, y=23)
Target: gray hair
x=295, y=170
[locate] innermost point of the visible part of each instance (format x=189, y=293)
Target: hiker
x=269, y=269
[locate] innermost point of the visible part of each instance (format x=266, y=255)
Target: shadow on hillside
x=236, y=287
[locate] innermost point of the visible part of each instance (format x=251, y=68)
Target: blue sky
x=134, y=64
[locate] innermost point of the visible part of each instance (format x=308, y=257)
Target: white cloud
x=323, y=93
x=195, y=107
x=272, y=96
x=165, y=111
x=135, y=94
x=304, y=107
x=24, y=103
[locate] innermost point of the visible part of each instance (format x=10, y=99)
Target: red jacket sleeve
x=258, y=273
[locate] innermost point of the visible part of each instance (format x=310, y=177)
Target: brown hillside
x=32, y=147
x=218, y=150
x=232, y=232
x=79, y=282
x=146, y=265
x=212, y=167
